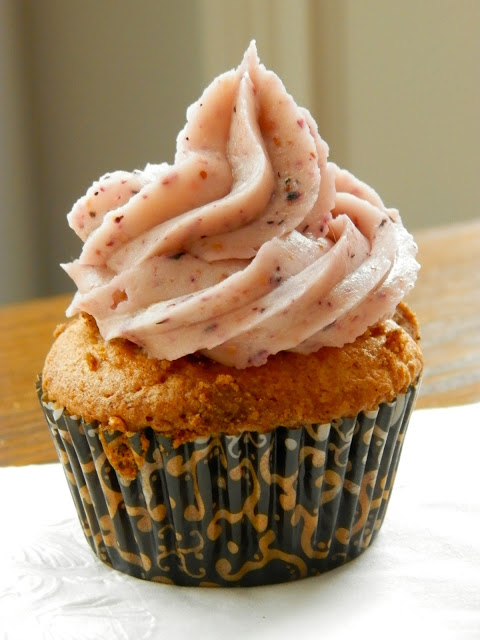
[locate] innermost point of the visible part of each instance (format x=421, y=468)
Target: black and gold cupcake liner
x=245, y=510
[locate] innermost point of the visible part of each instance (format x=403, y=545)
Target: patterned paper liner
x=238, y=510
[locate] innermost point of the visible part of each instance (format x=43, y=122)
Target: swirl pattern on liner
x=251, y=243
x=239, y=510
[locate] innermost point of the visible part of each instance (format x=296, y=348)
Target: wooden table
x=446, y=299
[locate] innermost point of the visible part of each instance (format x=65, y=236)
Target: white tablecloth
x=421, y=576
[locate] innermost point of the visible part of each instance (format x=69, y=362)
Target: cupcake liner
x=240, y=510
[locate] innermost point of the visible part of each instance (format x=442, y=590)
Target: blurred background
x=90, y=86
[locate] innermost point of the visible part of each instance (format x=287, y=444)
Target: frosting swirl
x=250, y=243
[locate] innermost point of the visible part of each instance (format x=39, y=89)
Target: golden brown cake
x=117, y=384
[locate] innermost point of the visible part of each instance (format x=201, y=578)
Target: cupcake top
x=251, y=243
x=115, y=383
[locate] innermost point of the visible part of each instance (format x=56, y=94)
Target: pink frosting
x=250, y=243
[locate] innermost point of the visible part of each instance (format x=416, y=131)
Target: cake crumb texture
x=118, y=385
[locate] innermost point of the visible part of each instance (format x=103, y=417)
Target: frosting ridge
x=250, y=243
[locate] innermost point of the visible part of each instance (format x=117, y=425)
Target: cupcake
x=231, y=393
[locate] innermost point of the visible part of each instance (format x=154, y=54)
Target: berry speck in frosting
x=118, y=296
x=292, y=195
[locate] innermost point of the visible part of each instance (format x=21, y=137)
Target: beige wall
x=18, y=257
x=89, y=86
x=408, y=100
x=109, y=82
